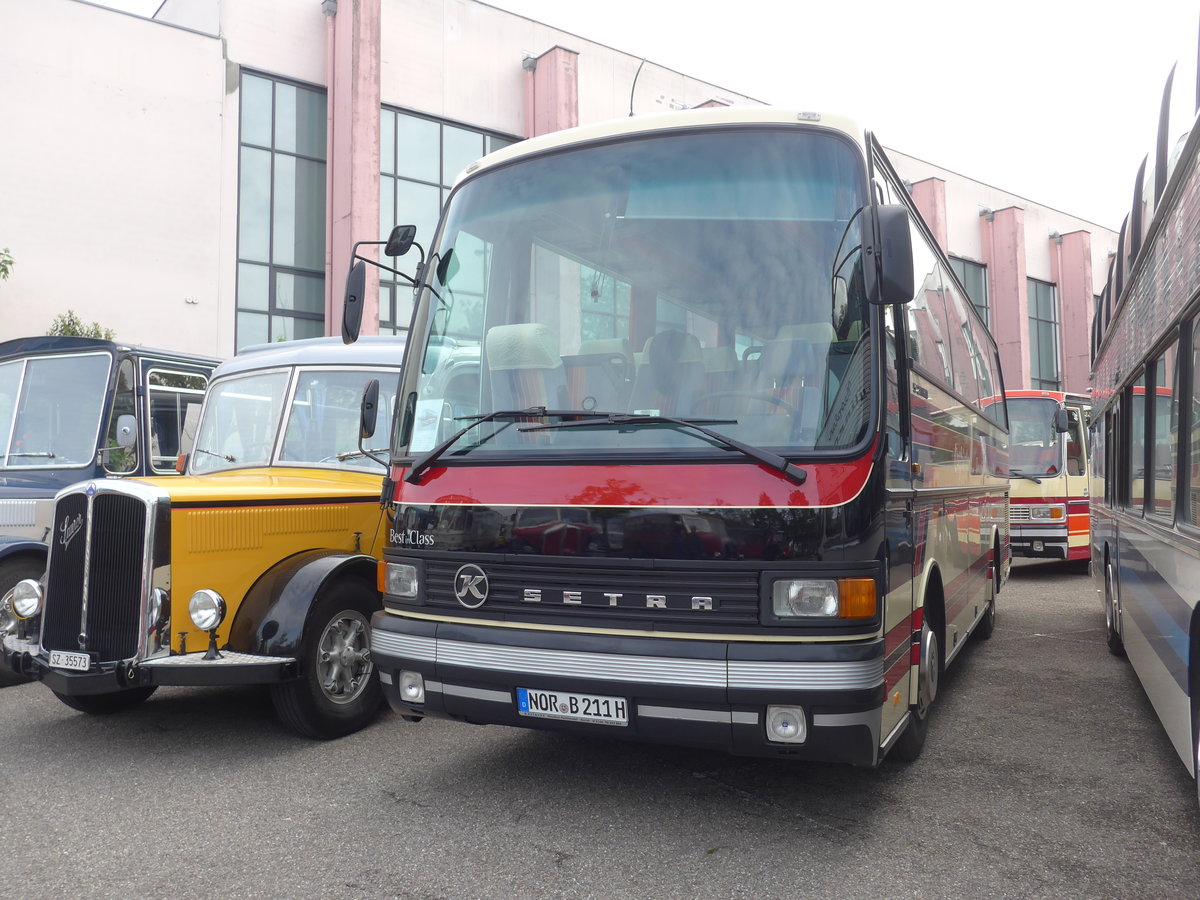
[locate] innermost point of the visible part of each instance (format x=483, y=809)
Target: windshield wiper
x=223, y=456
x=422, y=464
x=1015, y=473
x=41, y=454
x=352, y=454
x=758, y=454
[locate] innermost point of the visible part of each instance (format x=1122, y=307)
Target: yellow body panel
x=228, y=529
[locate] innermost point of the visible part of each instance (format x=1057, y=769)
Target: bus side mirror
x=400, y=240
x=352, y=306
x=892, y=256
x=1062, y=420
x=370, y=410
x=126, y=431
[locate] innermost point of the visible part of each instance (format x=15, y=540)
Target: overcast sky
x=1054, y=100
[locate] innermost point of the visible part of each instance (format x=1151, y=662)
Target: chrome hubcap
x=927, y=679
x=344, y=657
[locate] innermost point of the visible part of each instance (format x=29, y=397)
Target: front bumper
x=191, y=669
x=710, y=694
x=1039, y=541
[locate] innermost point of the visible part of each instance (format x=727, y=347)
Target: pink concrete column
x=1071, y=263
x=930, y=199
x=551, y=92
x=352, y=153
x=1003, y=240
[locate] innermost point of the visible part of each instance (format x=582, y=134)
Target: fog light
x=786, y=724
x=26, y=598
x=207, y=609
x=1038, y=546
x=412, y=687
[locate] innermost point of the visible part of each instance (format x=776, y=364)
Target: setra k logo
x=471, y=586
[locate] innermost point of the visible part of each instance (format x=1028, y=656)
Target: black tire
x=338, y=690
x=106, y=704
x=11, y=572
x=912, y=740
x=987, y=624
x=1112, y=613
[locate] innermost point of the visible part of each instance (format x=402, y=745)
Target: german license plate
x=61, y=659
x=572, y=707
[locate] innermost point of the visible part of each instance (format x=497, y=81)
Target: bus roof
x=1060, y=396
x=40, y=345
x=683, y=119
x=374, y=350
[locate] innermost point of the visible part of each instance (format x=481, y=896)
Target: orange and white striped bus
x=1048, y=465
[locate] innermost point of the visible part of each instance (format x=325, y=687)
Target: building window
x=1044, y=372
x=281, y=212
x=973, y=275
x=419, y=159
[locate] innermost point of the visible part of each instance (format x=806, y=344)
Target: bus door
x=1077, y=484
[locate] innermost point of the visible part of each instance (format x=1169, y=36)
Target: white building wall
x=111, y=150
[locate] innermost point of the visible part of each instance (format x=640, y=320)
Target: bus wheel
x=908, y=746
x=106, y=704
x=987, y=624
x=338, y=690
x=1112, y=613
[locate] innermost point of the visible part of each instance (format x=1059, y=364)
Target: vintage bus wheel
x=1112, y=613
x=908, y=746
x=105, y=704
x=338, y=690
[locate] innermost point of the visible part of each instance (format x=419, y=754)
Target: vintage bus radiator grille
x=111, y=538
x=1019, y=514
x=685, y=593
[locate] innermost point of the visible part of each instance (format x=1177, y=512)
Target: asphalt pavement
x=1046, y=775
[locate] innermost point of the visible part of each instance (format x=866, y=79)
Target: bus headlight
x=207, y=609
x=400, y=580
x=26, y=598
x=826, y=598
x=1051, y=513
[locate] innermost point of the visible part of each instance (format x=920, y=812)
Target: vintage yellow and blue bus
x=1145, y=544
x=1048, y=463
x=725, y=463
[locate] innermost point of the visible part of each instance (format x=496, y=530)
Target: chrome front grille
x=97, y=579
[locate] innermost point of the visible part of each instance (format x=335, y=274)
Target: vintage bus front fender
x=272, y=618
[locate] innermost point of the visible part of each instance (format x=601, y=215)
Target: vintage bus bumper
x=1039, y=541
x=709, y=694
x=191, y=669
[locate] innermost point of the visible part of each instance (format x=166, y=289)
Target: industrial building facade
x=201, y=177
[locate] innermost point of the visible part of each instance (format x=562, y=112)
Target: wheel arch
x=272, y=618
x=933, y=605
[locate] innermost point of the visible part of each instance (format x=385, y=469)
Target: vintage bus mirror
x=356, y=286
x=447, y=266
x=1062, y=420
x=894, y=281
x=400, y=241
x=126, y=431
x=370, y=410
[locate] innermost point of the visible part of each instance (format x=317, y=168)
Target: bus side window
x=1074, y=444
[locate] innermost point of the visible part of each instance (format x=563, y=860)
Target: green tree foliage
x=6, y=264
x=69, y=324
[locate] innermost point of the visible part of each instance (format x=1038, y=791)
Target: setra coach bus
x=723, y=475
x=1145, y=546
x=1048, y=464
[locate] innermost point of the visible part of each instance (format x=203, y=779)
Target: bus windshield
x=1035, y=447
x=50, y=409
x=711, y=275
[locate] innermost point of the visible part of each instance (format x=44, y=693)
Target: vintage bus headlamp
x=207, y=609
x=158, y=602
x=26, y=598
x=786, y=725
x=412, y=687
x=400, y=580
x=1048, y=513
x=805, y=597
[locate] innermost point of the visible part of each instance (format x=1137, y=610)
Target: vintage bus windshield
x=710, y=275
x=50, y=409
